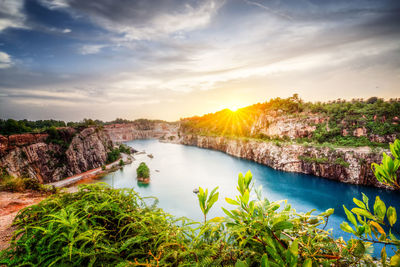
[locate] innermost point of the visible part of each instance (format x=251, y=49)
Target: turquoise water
x=177, y=169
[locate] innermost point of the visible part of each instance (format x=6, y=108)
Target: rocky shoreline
x=347, y=165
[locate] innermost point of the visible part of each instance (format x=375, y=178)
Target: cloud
x=66, y=31
x=11, y=14
x=5, y=60
x=143, y=19
x=90, y=49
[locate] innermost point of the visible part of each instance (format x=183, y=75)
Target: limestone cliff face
x=274, y=124
x=133, y=131
x=347, y=165
x=32, y=155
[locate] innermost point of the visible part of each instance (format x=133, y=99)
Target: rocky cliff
x=347, y=165
x=277, y=125
x=52, y=158
x=148, y=130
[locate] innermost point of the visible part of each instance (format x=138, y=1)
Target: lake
x=176, y=170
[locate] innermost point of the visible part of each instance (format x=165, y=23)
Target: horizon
x=69, y=60
x=232, y=109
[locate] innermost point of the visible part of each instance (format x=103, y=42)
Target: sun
x=234, y=108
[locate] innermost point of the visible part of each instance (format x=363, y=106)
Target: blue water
x=177, y=169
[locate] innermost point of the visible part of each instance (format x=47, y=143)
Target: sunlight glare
x=233, y=108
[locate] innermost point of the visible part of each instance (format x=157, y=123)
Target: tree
x=143, y=172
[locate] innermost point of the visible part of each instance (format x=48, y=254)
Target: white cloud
x=165, y=24
x=11, y=15
x=148, y=24
x=90, y=49
x=66, y=31
x=5, y=60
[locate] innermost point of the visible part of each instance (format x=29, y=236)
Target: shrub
x=143, y=171
x=96, y=226
x=113, y=155
x=375, y=224
x=121, y=162
x=19, y=184
x=124, y=149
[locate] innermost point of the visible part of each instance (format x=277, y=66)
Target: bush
x=99, y=225
x=96, y=226
x=18, y=184
x=121, y=162
x=12, y=184
x=143, y=171
x=113, y=155
x=124, y=149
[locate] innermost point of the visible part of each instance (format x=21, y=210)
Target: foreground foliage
x=99, y=225
x=95, y=226
x=375, y=224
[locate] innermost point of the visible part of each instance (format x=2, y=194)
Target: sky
x=169, y=59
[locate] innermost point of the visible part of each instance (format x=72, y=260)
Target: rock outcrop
x=303, y=125
x=149, y=130
x=39, y=157
x=347, y=165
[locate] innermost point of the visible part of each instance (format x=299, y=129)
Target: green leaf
x=362, y=212
x=395, y=149
x=294, y=248
x=231, y=201
x=240, y=263
x=365, y=200
x=346, y=227
x=246, y=197
x=308, y=263
x=282, y=225
x=395, y=260
x=350, y=216
x=264, y=261
x=391, y=215
x=328, y=212
x=359, y=203
x=379, y=208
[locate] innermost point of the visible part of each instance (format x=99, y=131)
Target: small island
x=143, y=173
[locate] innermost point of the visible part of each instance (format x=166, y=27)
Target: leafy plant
x=369, y=224
x=113, y=155
x=278, y=236
x=207, y=201
x=143, y=171
x=386, y=172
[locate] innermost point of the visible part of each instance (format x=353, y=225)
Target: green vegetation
x=314, y=159
x=121, y=163
x=124, y=149
x=99, y=225
x=207, y=201
x=20, y=184
x=113, y=155
x=375, y=224
x=96, y=226
x=10, y=126
x=341, y=119
x=143, y=171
